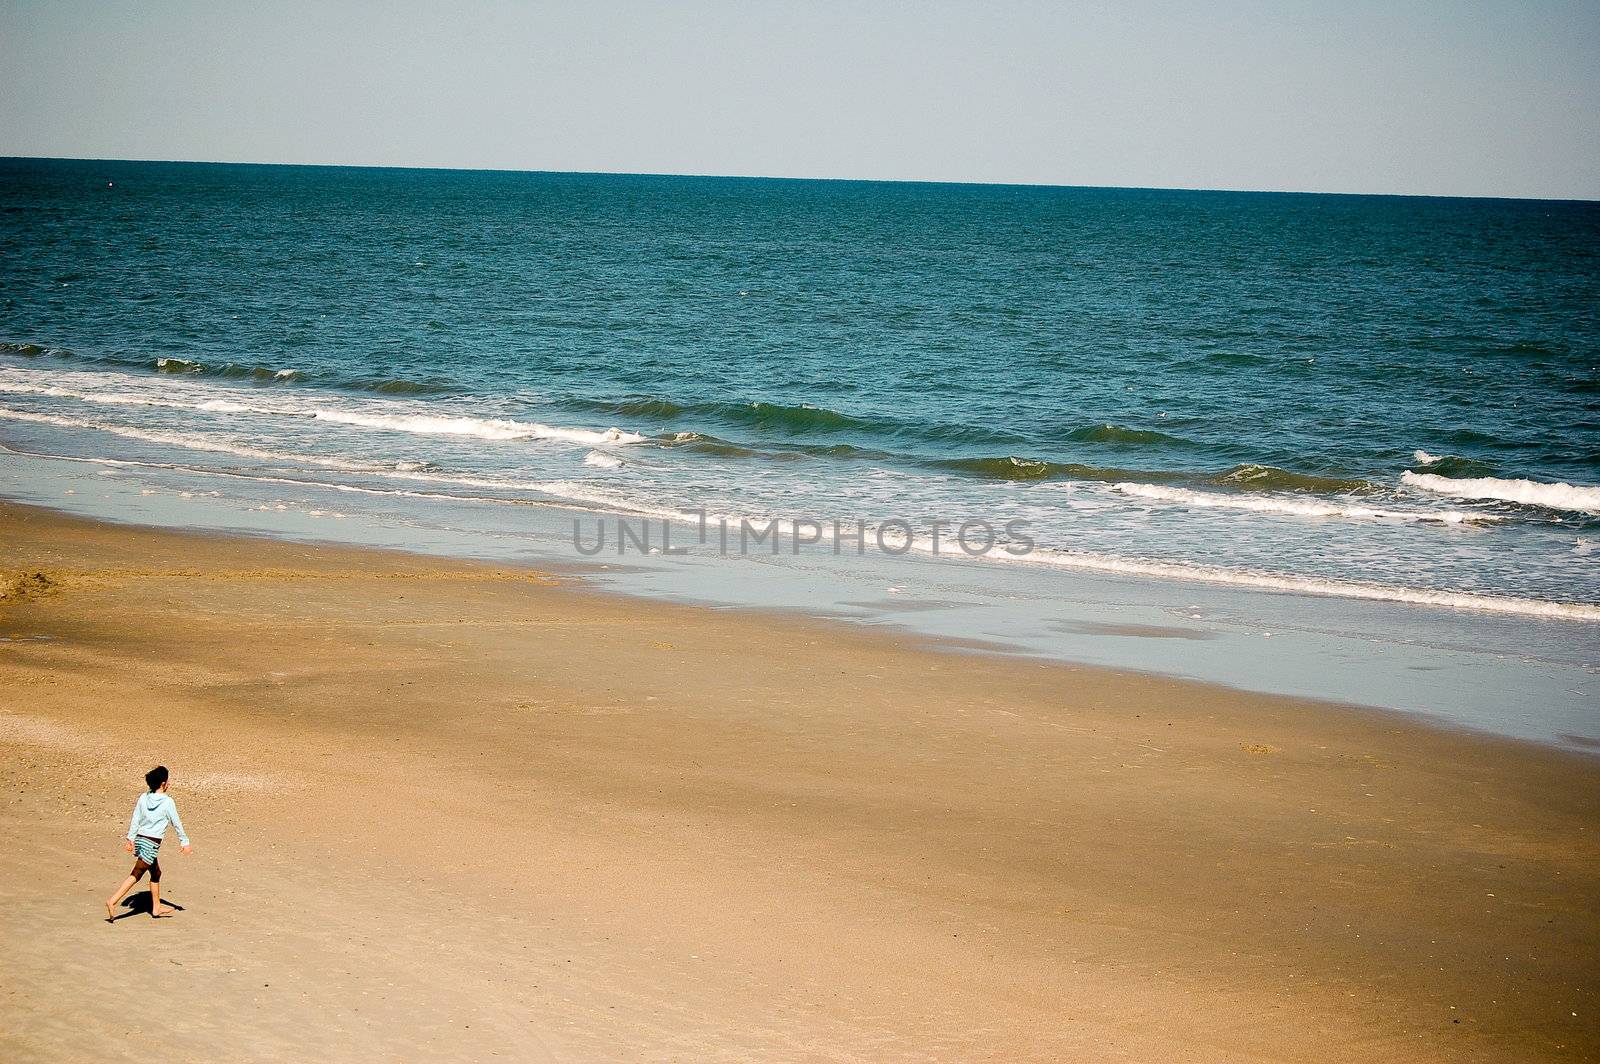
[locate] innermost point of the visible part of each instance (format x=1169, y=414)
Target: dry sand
x=449, y=811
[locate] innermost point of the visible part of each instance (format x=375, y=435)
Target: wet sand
x=457, y=811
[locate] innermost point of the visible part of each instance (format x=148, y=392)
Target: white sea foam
x=555, y=499
x=482, y=428
x=191, y=441
x=601, y=461
x=616, y=502
x=1267, y=504
x=386, y=415
x=1216, y=574
x=1424, y=458
x=1306, y=585
x=105, y=398
x=1577, y=497
x=1115, y=564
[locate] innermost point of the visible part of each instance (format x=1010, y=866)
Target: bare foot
x=165, y=910
x=111, y=914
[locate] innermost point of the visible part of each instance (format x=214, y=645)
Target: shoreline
x=1519, y=677
x=472, y=808
x=588, y=572
x=1045, y=559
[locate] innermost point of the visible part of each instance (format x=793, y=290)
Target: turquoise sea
x=1320, y=401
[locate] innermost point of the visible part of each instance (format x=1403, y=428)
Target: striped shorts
x=146, y=850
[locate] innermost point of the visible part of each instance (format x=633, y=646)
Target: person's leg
x=127, y=885
x=156, y=908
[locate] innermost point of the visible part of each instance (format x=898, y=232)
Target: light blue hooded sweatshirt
x=152, y=811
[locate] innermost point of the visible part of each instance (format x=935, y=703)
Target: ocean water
x=1336, y=398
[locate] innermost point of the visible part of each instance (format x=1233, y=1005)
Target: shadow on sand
x=139, y=904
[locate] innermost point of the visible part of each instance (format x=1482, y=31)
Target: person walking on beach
x=152, y=812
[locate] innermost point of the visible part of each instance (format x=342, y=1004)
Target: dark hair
x=156, y=777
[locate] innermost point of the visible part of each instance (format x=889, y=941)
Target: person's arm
x=172, y=814
x=133, y=823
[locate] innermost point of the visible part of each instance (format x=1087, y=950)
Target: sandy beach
x=468, y=812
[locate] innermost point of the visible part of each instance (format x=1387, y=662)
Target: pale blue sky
x=1468, y=98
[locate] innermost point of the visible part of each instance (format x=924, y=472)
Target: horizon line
x=782, y=177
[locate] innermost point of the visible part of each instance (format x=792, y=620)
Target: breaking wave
x=230, y=371
x=482, y=428
x=419, y=423
x=194, y=441
x=1294, y=507
x=1449, y=465
x=1572, y=497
